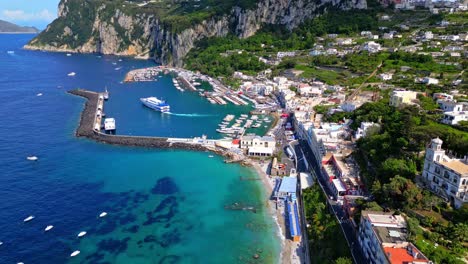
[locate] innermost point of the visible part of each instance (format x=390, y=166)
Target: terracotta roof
x=457, y=166
x=402, y=256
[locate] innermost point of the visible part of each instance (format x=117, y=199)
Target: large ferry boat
x=156, y=104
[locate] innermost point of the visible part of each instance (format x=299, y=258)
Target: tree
x=343, y=260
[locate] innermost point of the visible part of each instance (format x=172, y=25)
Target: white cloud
x=20, y=15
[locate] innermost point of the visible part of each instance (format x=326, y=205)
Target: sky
x=37, y=13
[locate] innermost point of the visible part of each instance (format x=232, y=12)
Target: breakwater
x=87, y=129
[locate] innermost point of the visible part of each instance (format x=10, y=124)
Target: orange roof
x=402, y=256
x=236, y=141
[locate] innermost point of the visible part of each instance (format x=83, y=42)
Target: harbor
x=185, y=80
x=90, y=126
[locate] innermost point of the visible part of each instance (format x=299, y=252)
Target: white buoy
x=103, y=214
x=32, y=158
x=76, y=252
x=49, y=227
x=29, y=218
x=82, y=234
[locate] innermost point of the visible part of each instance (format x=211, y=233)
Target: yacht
x=39, y=94
x=82, y=234
x=48, y=228
x=103, y=214
x=72, y=74
x=156, y=104
x=75, y=253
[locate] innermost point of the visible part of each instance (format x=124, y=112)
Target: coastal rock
x=106, y=27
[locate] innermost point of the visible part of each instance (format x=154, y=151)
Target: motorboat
x=39, y=94
x=48, y=228
x=72, y=74
x=103, y=214
x=29, y=218
x=81, y=234
x=210, y=156
x=32, y=158
x=75, y=253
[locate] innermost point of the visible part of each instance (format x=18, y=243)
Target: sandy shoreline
x=286, y=246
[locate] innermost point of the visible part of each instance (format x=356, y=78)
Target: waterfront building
x=258, y=146
x=399, y=98
x=288, y=187
x=383, y=239
x=446, y=175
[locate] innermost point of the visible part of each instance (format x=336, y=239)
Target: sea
x=163, y=206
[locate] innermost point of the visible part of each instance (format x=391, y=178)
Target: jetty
x=90, y=127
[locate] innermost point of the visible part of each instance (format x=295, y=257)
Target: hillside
x=7, y=27
x=167, y=30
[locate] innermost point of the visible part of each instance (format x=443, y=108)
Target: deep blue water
x=164, y=206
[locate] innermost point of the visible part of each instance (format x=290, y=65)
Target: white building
x=452, y=106
x=429, y=80
x=282, y=54
x=445, y=175
x=398, y=98
x=386, y=76
x=383, y=239
x=365, y=128
x=453, y=118
x=428, y=35
x=258, y=146
x=372, y=47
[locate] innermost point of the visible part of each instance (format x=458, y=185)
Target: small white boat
x=82, y=234
x=210, y=156
x=29, y=218
x=72, y=74
x=1, y=243
x=20, y=263
x=118, y=68
x=39, y=94
x=48, y=228
x=68, y=54
x=120, y=59
x=114, y=63
x=103, y=214
x=10, y=52
x=75, y=253
x=32, y=158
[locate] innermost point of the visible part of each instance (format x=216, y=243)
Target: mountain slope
x=7, y=27
x=166, y=30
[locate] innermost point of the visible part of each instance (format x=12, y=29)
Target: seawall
x=85, y=129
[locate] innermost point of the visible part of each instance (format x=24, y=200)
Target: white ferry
x=156, y=104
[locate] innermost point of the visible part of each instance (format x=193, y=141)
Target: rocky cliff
x=116, y=28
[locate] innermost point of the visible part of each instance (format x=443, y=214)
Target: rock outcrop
x=95, y=26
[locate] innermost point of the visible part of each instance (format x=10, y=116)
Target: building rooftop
x=405, y=255
x=456, y=165
x=288, y=185
x=389, y=228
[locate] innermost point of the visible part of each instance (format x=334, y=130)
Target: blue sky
x=36, y=13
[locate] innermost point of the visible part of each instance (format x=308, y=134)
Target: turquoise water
x=163, y=206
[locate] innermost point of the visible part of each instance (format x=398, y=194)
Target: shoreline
x=286, y=246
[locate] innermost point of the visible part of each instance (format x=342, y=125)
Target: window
x=446, y=175
x=437, y=170
x=437, y=158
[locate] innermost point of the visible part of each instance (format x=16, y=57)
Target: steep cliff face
x=109, y=28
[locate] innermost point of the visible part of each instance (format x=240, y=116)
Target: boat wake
x=189, y=115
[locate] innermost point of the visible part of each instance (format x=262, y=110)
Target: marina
x=185, y=80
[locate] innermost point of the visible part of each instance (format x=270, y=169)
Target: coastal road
x=307, y=162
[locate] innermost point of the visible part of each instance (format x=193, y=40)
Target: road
x=306, y=163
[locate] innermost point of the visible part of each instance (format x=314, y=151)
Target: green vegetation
x=326, y=241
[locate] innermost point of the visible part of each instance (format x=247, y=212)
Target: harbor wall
x=86, y=125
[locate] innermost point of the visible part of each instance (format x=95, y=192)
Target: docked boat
x=106, y=95
x=72, y=74
x=29, y=218
x=256, y=126
x=156, y=104
x=48, y=228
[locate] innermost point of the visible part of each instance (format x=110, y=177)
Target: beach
x=286, y=244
